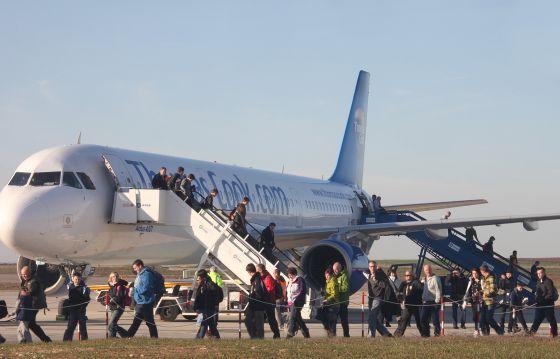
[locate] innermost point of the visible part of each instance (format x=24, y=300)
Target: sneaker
x=463, y=326
x=2, y=339
x=476, y=333
x=288, y=336
x=455, y=326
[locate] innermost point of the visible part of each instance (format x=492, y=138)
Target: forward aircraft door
x=120, y=173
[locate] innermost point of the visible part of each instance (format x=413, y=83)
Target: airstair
x=455, y=251
x=224, y=248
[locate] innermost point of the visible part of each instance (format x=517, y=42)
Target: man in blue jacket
x=144, y=297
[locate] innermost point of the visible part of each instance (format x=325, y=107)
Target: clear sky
x=464, y=98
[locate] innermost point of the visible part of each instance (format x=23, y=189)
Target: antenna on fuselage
x=79, y=142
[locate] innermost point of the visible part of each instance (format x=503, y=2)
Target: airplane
x=56, y=209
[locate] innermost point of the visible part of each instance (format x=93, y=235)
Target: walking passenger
x=545, y=296
x=267, y=242
x=534, y=270
x=78, y=299
x=258, y=298
x=270, y=285
x=159, y=182
x=470, y=236
x=144, y=297
x=280, y=295
x=431, y=297
x=505, y=287
x=488, y=247
x=377, y=284
x=187, y=188
x=238, y=224
x=118, y=299
x=473, y=295
x=206, y=303
x=296, y=292
x=390, y=306
x=209, y=200
x=24, y=314
x=330, y=303
x=175, y=182
x=410, y=296
x=38, y=300
x=489, y=292
x=341, y=276
x=517, y=300
x=458, y=284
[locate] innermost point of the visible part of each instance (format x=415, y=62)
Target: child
x=24, y=314
x=78, y=299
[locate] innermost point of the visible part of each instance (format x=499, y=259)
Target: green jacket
x=343, y=286
x=216, y=278
x=332, y=295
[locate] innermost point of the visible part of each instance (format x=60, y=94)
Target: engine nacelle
x=52, y=276
x=325, y=253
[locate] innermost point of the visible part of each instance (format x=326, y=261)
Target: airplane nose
x=23, y=224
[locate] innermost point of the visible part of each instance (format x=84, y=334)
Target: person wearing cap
x=209, y=200
x=267, y=242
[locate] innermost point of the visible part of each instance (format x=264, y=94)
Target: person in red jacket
x=269, y=284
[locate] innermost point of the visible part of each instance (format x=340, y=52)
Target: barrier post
x=240, y=305
x=78, y=333
x=441, y=316
x=549, y=331
x=363, y=298
x=106, y=314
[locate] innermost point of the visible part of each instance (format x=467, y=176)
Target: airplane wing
x=294, y=238
x=418, y=207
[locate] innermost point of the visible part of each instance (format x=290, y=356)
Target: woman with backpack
x=118, y=299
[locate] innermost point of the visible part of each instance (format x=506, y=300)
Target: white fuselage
x=60, y=223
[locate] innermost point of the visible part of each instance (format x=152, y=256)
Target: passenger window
x=45, y=179
x=19, y=179
x=69, y=179
x=86, y=181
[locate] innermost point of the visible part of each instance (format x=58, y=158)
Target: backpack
x=218, y=291
x=127, y=300
x=158, y=284
x=3, y=309
x=278, y=293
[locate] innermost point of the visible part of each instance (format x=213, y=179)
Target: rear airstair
x=455, y=251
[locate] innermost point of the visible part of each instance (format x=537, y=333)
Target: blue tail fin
x=350, y=167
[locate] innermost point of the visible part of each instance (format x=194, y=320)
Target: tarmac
x=229, y=325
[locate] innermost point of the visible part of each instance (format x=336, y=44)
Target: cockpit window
x=69, y=179
x=88, y=184
x=19, y=179
x=45, y=179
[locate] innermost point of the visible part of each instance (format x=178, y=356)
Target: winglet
x=350, y=166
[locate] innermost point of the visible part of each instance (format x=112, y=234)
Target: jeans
x=330, y=319
x=271, y=317
x=23, y=333
x=208, y=321
x=296, y=322
x=254, y=322
x=113, y=327
x=143, y=312
x=487, y=319
x=36, y=329
x=278, y=312
x=548, y=313
x=375, y=319
x=455, y=307
x=343, y=314
x=430, y=311
x=406, y=314
x=75, y=316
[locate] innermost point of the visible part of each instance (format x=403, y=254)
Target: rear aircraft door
x=119, y=171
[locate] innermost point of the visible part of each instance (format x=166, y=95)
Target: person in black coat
x=267, y=242
x=258, y=300
x=175, y=182
x=159, y=182
x=458, y=284
x=78, y=299
x=209, y=200
x=546, y=294
x=24, y=314
x=117, y=295
x=517, y=299
x=410, y=295
x=205, y=303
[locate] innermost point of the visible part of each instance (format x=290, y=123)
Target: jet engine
x=325, y=253
x=52, y=276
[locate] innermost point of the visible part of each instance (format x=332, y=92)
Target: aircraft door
x=295, y=203
x=119, y=171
